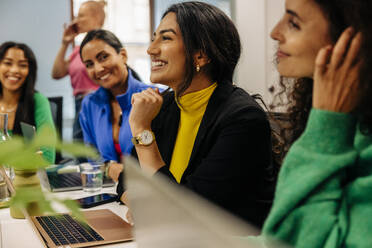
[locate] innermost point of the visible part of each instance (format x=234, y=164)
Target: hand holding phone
x=95, y=200
x=70, y=31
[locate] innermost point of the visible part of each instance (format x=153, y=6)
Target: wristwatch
x=145, y=138
x=107, y=166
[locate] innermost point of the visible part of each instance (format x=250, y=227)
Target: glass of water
x=4, y=193
x=92, y=176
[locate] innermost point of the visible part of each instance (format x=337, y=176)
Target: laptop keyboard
x=64, y=180
x=64, y=230
x=71, y=180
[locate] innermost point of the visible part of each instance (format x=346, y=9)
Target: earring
x=197, y=68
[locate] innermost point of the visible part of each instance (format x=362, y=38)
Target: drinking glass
x=4, y=136
x=92, y=176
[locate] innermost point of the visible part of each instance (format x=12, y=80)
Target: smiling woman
x=104, y=114
x=300, y=35
x=208, y=135
x=105, y=66
x=167, y=53
x=18, y=97
x=323, y=197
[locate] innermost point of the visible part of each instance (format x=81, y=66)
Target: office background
x=39, y=23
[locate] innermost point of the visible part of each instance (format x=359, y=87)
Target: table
x=17, y=233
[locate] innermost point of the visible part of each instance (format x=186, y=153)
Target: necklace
x=6, y=110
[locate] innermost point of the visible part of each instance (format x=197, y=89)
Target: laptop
x=168, y=216
x=63, y=230
x=102, y=227
x=58, y=182
x=52, y=178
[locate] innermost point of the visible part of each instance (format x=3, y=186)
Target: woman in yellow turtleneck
x=207, y=134
x=192, y=108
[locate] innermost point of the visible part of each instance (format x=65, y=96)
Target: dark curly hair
x=296, y=95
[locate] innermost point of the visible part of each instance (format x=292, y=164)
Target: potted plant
x=26, y=159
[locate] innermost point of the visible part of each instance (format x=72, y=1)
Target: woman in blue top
x=104, y=113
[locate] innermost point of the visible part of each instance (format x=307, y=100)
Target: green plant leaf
x=9, y=148
x=23, y=155
x=26, y=195
x=74, y=207
x=28, y=159
x=78, y=150
x=46, y=136
x=26, y=153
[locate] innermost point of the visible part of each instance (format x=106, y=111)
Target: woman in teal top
x=18, y=97
x=323, y=196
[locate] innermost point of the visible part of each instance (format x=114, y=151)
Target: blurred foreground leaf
x=23, y=155
x=27, y=195
x=74, y=207
x=78, y=150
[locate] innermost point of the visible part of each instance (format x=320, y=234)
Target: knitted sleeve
x=310, y=209
x=43, y=117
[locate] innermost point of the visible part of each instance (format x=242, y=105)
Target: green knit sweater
x=324, y=192
x=43, y=117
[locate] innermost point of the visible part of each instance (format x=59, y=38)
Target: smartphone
x=28, y=131
x=75, y=28
x=95, y=200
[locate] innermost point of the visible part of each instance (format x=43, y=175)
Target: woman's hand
x=114, y=171
x=69, y=33
x=124, y=199
x=145, y=107
x=336, y=75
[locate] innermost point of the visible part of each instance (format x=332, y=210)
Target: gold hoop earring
x=197, y=68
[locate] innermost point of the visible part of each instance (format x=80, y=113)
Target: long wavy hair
x=295, y=95
x=25, y=110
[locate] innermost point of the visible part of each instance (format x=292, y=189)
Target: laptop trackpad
x=109, y=225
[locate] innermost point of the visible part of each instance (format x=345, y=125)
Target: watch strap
x=136, y=140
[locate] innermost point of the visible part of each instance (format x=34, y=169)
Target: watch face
x=146, y=137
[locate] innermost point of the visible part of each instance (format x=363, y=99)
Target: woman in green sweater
x=324, y=191
x=18, y=97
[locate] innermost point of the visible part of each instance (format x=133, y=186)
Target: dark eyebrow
x=292, y=13
x=86, y=61
x=100, y=53
x=165, y=31
x=20, y=61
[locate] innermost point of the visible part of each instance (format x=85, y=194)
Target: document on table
x=18, y=234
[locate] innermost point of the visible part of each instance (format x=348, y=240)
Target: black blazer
x=230, y=163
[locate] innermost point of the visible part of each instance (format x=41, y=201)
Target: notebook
x=53, y=180
x=167, y=215
x=56, y=182
x=102, y=227
x=62, y=230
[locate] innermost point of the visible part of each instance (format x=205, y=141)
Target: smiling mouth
x=281, y=54
x=13, y=78
x=157, y=64
x=104, y=77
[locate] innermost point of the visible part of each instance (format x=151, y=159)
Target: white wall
x=39, y=24
x=254, y=20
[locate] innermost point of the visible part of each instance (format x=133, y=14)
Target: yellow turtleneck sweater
x=192, y=108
